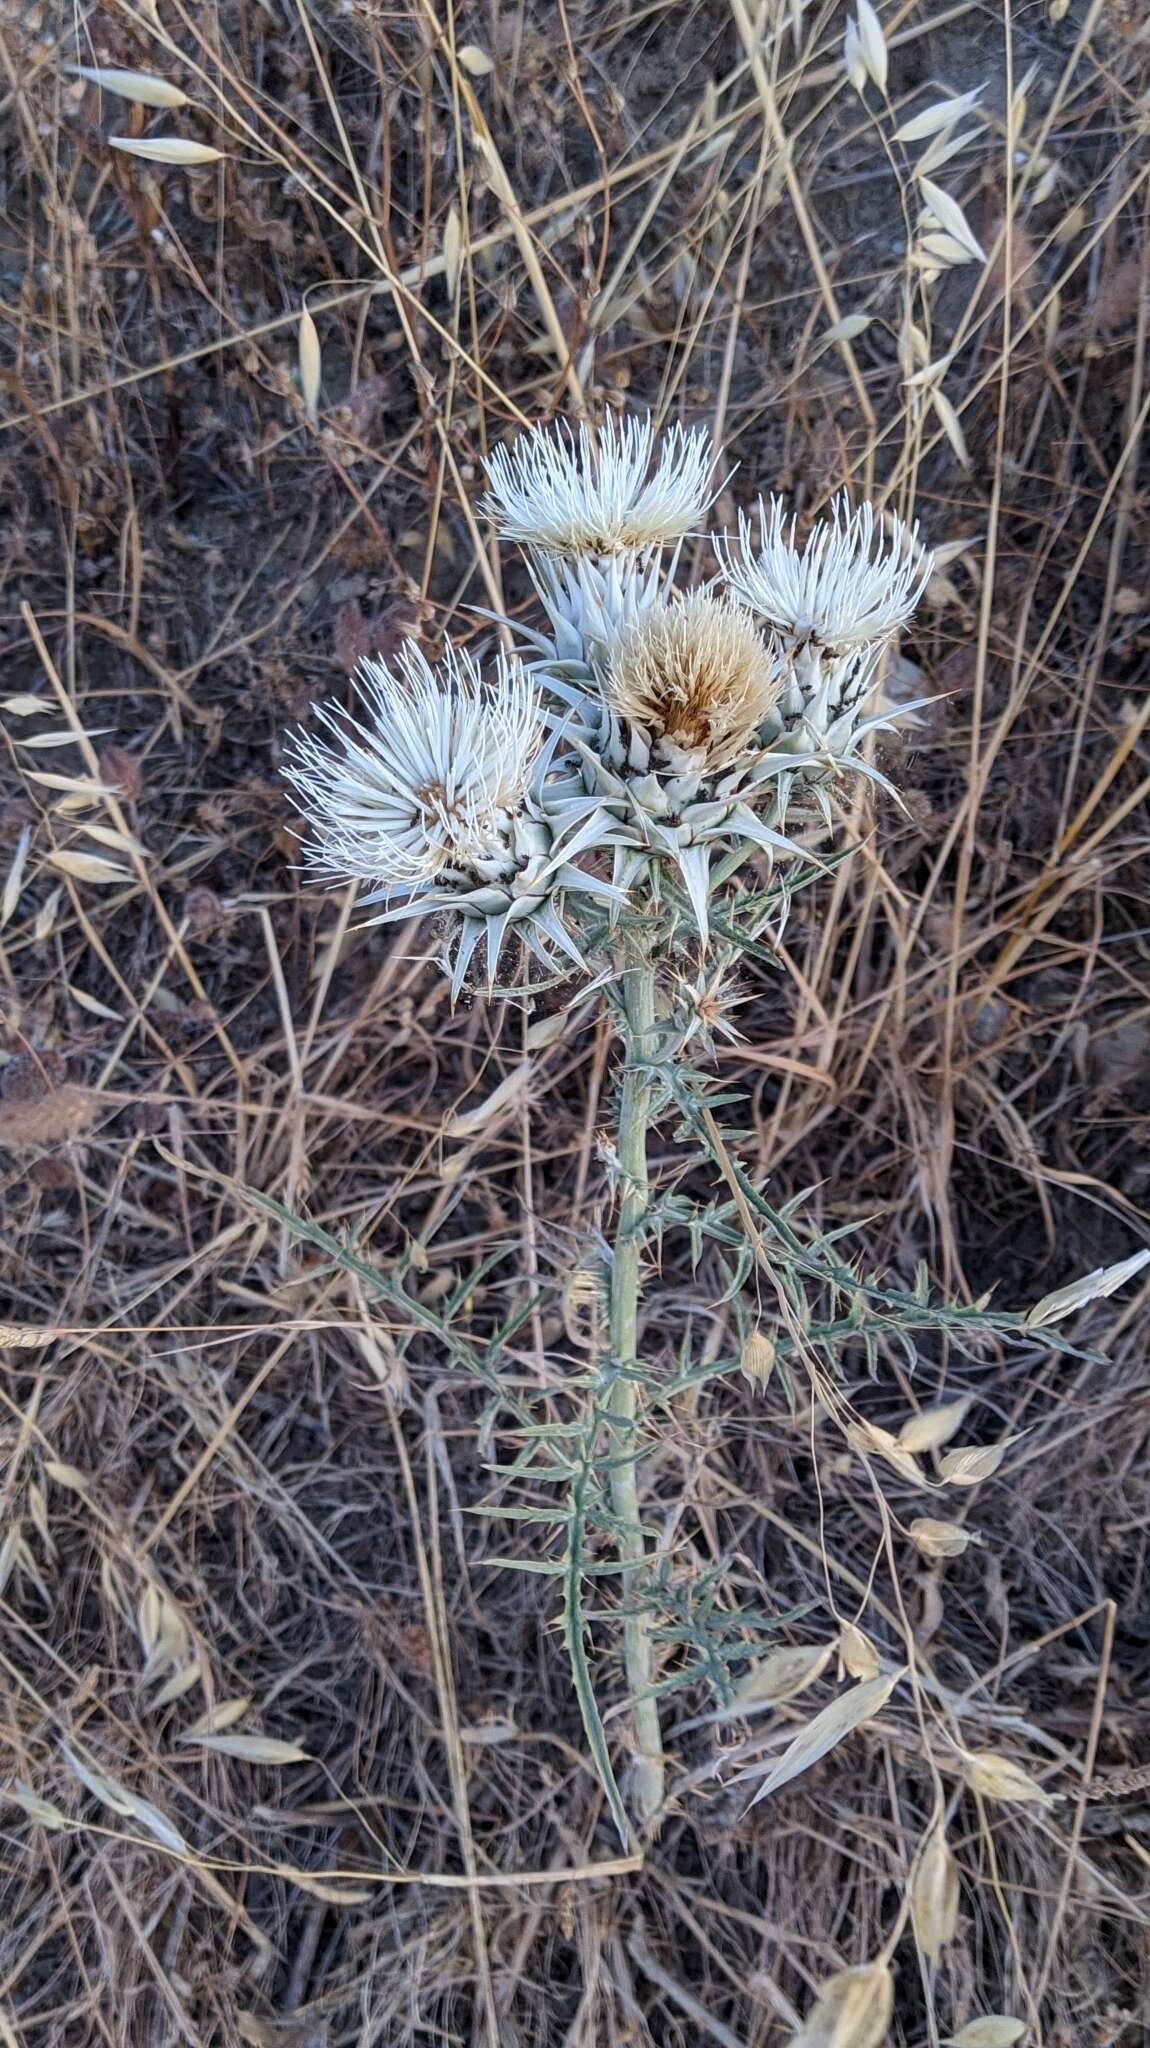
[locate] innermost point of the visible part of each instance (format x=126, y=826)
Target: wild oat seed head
x=850, y=582
x=425, y=781
x=574, y=491
x=695, y=674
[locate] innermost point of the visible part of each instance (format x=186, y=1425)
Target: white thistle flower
x=698, y=677
x=424, y=786
x=437, y=795
x=849, y=584
x=577, y=492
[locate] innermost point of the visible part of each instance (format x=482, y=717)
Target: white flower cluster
x=648, y=725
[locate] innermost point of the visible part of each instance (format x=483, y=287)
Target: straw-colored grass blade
x=850, y=1711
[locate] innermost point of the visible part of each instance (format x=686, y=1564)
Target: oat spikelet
x=934, y=1894
x=696, y=675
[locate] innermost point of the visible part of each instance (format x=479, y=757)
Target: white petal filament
x=574, y=491
x=848, y=584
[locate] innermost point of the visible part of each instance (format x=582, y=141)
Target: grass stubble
x=291, y=1758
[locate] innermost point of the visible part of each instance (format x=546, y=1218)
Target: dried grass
x=289, y=1758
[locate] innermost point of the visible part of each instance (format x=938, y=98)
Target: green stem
x=634, y=1114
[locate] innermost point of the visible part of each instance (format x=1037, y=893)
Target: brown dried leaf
x=30, y=1076
x=61, y=1113
x=352, y=636
x=122, y=772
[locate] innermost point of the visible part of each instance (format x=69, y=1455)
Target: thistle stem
x=634, y=1113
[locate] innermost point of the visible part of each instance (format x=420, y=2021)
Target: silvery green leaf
x=469, y=938
x=694, y=864
x=551, y=924
x=578, y=881
x=496, y=933
x=745, y=822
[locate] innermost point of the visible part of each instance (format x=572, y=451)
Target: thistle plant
x=629, y=801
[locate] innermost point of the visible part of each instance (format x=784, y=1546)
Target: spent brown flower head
x=697, y=675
